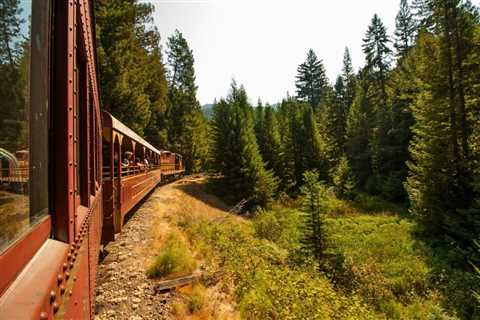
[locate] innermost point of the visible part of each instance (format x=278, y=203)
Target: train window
x=81, y=124
x=24, y=101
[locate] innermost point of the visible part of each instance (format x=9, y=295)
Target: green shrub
x=175, y=258
x=196, y=299
x=279, y=225
x=383, y=263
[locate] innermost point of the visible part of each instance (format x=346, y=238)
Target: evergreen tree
x=311, y=144
x=311, y=80
x=342, y=178
x=289, y=125
x=441, y=184
x=333, y=123
x=349, y=80
x=359, y=132
x=378, y=58
x=235, y=151
x=405, y=29
x=125, y=72
x=272, y=154
x=378, y=54
x=157, y=90
x=186, y=128
x=422, y=10
x=260, y=126
x=402, y=90
x=315, y=193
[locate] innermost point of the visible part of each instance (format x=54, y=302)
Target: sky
x=260, y=43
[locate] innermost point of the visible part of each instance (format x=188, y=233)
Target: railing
x=14, y=175
x=129, y=170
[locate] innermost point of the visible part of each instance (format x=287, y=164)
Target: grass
x=266, y=285
x=175, y=259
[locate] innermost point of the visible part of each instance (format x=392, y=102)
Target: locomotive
x=69, y=173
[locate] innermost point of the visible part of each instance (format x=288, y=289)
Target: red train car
x=130, y=171
x=132, y=167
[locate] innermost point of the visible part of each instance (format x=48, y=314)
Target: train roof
x=115, y=124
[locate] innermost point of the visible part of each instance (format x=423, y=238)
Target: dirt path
x=123, y=289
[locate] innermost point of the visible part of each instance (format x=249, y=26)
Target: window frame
x=18, y=253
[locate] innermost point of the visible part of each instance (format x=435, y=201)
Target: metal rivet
x=74, y=278
x=43, y=315
x=52, y=296
x=71, y=265
x=59, y=278
x=56, y=306
x=67, y=275
x=69, y=256
x=62, y=289
x=65, y=266
x=72, y=248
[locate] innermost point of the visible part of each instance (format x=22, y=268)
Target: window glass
x=23, y=110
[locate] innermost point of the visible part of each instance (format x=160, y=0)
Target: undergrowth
x=174, y=259
x=374, y=265
x=266, y=285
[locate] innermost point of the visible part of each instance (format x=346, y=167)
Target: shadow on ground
x=196, y=189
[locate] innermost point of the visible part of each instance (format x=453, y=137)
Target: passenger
x=147, y=164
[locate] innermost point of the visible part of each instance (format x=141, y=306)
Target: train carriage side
x=131, y=169
x=50, y=138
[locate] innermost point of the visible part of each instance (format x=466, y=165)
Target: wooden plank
x=176, y=283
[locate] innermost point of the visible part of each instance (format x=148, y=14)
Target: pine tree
x=342, y=179
x=311, y=80
x=260, y=126
x=311, y=144
x=289, y=125
x=359, y=131
x=333, y=123
x=378, y=54
x=349, y=79
x=405, y=29
x=272, y=154
x=402, y=90
x=313, y=240
x=378, y=59
x=185, y=126
x=423, y=14
x=157, y=90
x=441, y=184
x=235, y=151
x=123, y=62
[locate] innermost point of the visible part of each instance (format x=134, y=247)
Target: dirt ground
x=123, y=289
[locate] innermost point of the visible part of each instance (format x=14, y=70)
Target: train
x=69, y=172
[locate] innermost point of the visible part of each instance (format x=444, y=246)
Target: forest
x=370, y=182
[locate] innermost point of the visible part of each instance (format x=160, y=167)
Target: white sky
x=260, y=43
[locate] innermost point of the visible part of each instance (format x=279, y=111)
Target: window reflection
x=23, y=110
